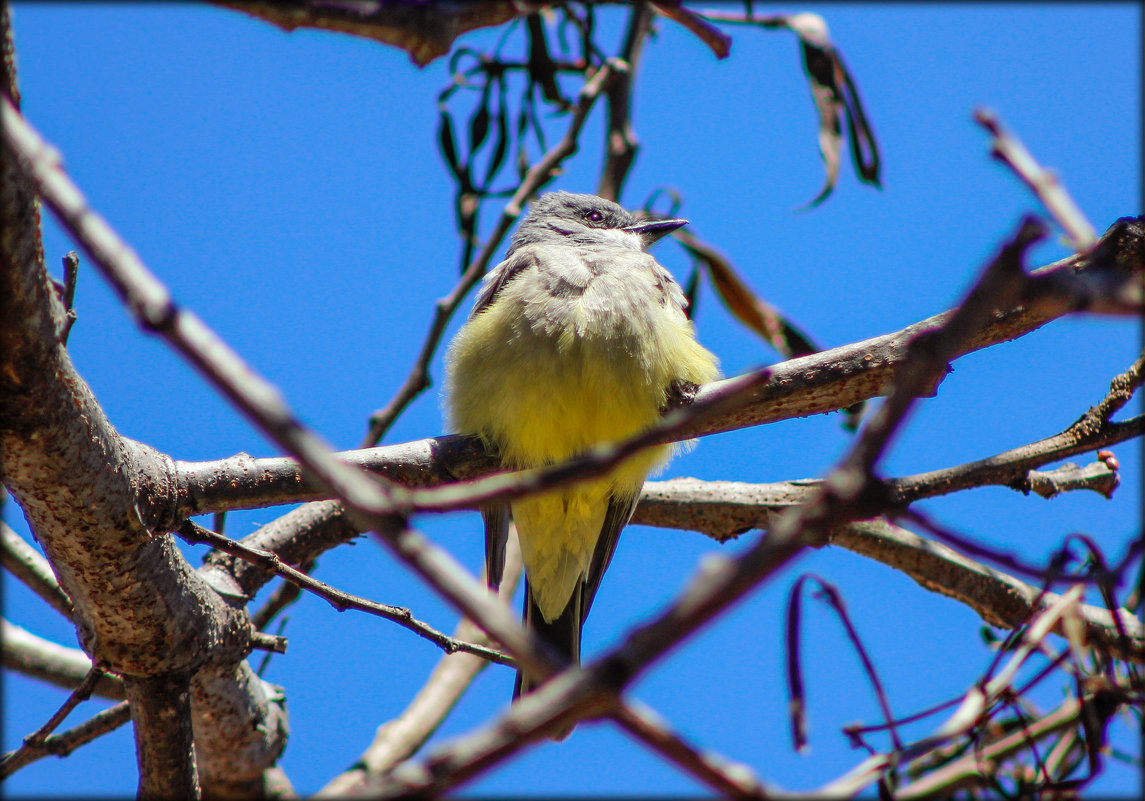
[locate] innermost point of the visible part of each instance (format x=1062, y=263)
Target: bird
x=578, y=338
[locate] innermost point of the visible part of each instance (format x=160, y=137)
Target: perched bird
x=577, y=338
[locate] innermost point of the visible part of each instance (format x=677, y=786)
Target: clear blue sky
x=288, y=188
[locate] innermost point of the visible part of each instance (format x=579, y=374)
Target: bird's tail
x=561, y=635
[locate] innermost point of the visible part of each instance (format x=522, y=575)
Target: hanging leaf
x=501, y=145
x=864, y=148
x=522, y=152
x=758, y=315
x=448, y=146
x=542, y=68
x=834, y=93
x=479, y=124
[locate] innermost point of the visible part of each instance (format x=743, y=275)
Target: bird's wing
x=561, y=635
x=496, y=517
x=502, y=274
x=619, y=512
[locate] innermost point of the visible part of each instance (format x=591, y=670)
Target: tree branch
x=25, y=563
x=400, y=738
x=620, y=142
x=161, y=712
x=34, y=656
x=425, y=31
x=339, y=600
x=95, y=501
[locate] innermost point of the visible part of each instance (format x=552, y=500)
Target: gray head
x=587, y=220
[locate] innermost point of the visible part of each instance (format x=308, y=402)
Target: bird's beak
x=653, y=230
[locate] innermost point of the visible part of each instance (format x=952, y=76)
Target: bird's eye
x=595, y=216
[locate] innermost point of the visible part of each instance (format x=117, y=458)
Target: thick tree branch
x=95, y=501
x=374, y=504
x=161, y=712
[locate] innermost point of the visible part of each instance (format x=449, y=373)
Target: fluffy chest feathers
x=569, y=348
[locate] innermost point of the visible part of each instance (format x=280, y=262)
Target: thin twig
x=1008, y=149
x=71, y=276
x=732, y=779
x=63, y=744
x=400, y=738
x=78, y=695
x=35, y=742
x=194, y=533
x=283, y=596
x=620, y=142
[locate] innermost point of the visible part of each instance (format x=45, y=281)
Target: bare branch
x=1008, y=149
x=341, y=601
x=164, y=746
x=34, y=656
x=34, y=742
x=1095, y=477
x=25, y=563
x=731, y=779
x=620, y=142
x=1000, y=599
x=63, y=744
x=71, y=275
x=400, y=738
x=724, y=509
x=822, y=382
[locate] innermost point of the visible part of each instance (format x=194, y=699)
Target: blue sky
x=288, y=189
